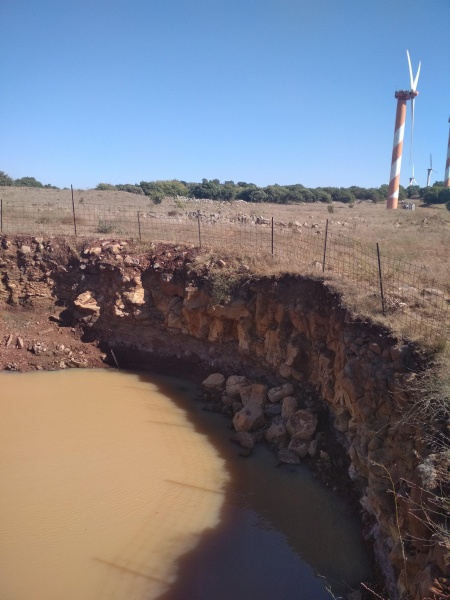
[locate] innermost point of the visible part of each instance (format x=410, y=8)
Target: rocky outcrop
x=277, y=337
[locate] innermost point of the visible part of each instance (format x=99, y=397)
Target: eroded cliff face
x=167, y=307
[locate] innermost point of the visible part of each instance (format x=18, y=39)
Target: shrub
x=447, y=205
x=105, y=226
x=105, y=187
x=28, y=182
x=5, y=179
x=129, y=187
x=444, y=196
x=330, y=208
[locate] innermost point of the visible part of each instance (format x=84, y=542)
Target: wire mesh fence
x=374, y=282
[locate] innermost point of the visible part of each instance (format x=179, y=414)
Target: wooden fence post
x=383, y=306
x=73, y=212
x=325, y=247
x=139, y=226
x=272, y=236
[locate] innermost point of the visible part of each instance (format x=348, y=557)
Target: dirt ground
x=35, y=339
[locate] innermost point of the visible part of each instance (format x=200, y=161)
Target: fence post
x=325, y=247
x=139, y=226
x=199, y=232
x=1, y=215
x=272, y=236
x=383, y=308
x=73, y=212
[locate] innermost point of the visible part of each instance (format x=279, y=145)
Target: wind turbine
x=430, y=170
x=402, y=97
x=447, y=164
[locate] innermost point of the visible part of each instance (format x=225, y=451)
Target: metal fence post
x=199, y=232
x=139, y=226
x=325, y=247
x=73, y=212
x=383, y=307
x=272, y=236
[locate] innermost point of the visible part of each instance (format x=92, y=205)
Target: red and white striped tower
x=402, y=98
x=447, y=164
x=394, y=181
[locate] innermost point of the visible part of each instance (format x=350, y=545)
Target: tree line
x=227, y=191
x=5, y=179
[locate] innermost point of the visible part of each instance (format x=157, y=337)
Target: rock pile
x=279, y=415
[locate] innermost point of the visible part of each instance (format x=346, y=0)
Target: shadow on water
x=281, y=533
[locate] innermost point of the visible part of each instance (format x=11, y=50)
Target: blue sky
x=263, y=91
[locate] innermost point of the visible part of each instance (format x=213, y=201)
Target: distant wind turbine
x=402, y=97
x=429, y=171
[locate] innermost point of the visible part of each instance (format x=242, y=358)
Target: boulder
x=277, y=394
x=276, y=434
x=86, y=303
x=135, y=296
x=244, y=439
x=255, y=393
x=300, y=447
x=214, y=382
x=288, y=457
x=302, y=425
x=234, y=385
x=249, y=418
x=312, y=448
x=227, y=400
x=289, y=406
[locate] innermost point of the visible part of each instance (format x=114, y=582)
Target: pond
x=118, y=485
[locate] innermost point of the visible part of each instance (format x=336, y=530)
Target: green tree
x=129, y=187
x=412, y=191
x=208, y=189
x=277, y=194
x=227, y=191
x=245, y=191
x=5, y=179
x=258, y=195
x=105, y=187
x=28, y=182
x=171, y=188
x=431, y=196
x=444, y=196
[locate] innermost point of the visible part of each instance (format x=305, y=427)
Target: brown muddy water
x=118, y=485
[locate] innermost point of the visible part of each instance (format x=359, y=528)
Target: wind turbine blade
x=416, y=80
x=410, y=70
x=431, y=162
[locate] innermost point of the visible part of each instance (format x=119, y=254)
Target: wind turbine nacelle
x=406, y=94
